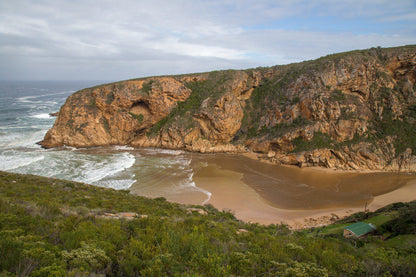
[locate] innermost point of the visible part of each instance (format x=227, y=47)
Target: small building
x=358, y=230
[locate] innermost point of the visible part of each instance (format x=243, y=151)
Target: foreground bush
x=51, y=227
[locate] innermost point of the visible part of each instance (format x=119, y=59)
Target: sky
x=124, y=39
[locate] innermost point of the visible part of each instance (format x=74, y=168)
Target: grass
x=402, y=241
x=338, y=228
x=382, y=218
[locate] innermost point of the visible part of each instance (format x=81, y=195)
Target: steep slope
x=52, y=227
x=354, y=110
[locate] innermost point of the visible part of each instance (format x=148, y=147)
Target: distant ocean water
x=25, y=119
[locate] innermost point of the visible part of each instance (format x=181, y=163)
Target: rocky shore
x=351, y=111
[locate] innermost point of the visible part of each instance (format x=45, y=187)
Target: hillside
x=51, y=227
x=354, y=110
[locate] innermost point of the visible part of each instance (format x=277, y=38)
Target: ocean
x=25, y=108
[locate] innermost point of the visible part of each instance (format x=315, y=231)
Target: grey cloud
x=124, y=39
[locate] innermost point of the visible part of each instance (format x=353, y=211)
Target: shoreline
x=230, y=192
x=266, y=214
x=224, y=186
x=257, y=157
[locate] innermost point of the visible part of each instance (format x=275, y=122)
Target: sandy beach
x=266, y=193
x=230, y=191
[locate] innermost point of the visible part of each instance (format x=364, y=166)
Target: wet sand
x=300, y=198
x=265, y=193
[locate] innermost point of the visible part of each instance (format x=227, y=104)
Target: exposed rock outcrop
x=352, y=110
x=115, y=113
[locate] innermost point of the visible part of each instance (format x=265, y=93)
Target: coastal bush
x=147, y=87
x=402, y=129
x=170, y=241
x=86, y=259
x=50, y=271
x=11, y=251
x=210, y=88
x=318, y=141
x=305, y=269
x=138, y=117
x=337, y=95
x=403, y=223
x=110, y=97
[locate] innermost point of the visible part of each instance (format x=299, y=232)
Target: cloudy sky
x=122, y=39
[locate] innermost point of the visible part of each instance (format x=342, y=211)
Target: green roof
x=360, y=228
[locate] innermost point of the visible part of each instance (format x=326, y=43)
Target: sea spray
x=42, y=116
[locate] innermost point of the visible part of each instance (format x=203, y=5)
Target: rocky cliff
x=354, y=110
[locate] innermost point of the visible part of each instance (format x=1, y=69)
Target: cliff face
x=353, y=110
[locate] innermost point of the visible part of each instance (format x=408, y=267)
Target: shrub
x=337, y=95
x=87, y=258
x=305, y=270
x=11, y=252
x=147, y=87
x=318, y=141
x=50, y=271
x=138, y=117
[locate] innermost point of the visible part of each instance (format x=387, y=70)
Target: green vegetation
x=318, y=141
x=277, y=130
x=51, y=227
x=401, y=128
x=138, y=117
x=92, y=105
x=267, y=96
x=147, y=87
x=106, y=124
x=337, y=95
x=212, y=87
x=275, y=92
x=393, y=220
x=278, y=90
x=110, y=98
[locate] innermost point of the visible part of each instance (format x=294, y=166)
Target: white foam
x=116, y=184
x=209, y=194
x=69, y=148
x=27, y=139
x=27, y=99
x=22, y=139
x=42, y=116
x=123, y=147
x=190, y=183
x=157, y=151
x=94, y=172
x=10, y=162
x=71, y=165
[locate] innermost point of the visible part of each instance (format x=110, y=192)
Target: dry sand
x=229, y=192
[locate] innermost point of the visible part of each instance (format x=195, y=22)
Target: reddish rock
x=339, y=98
